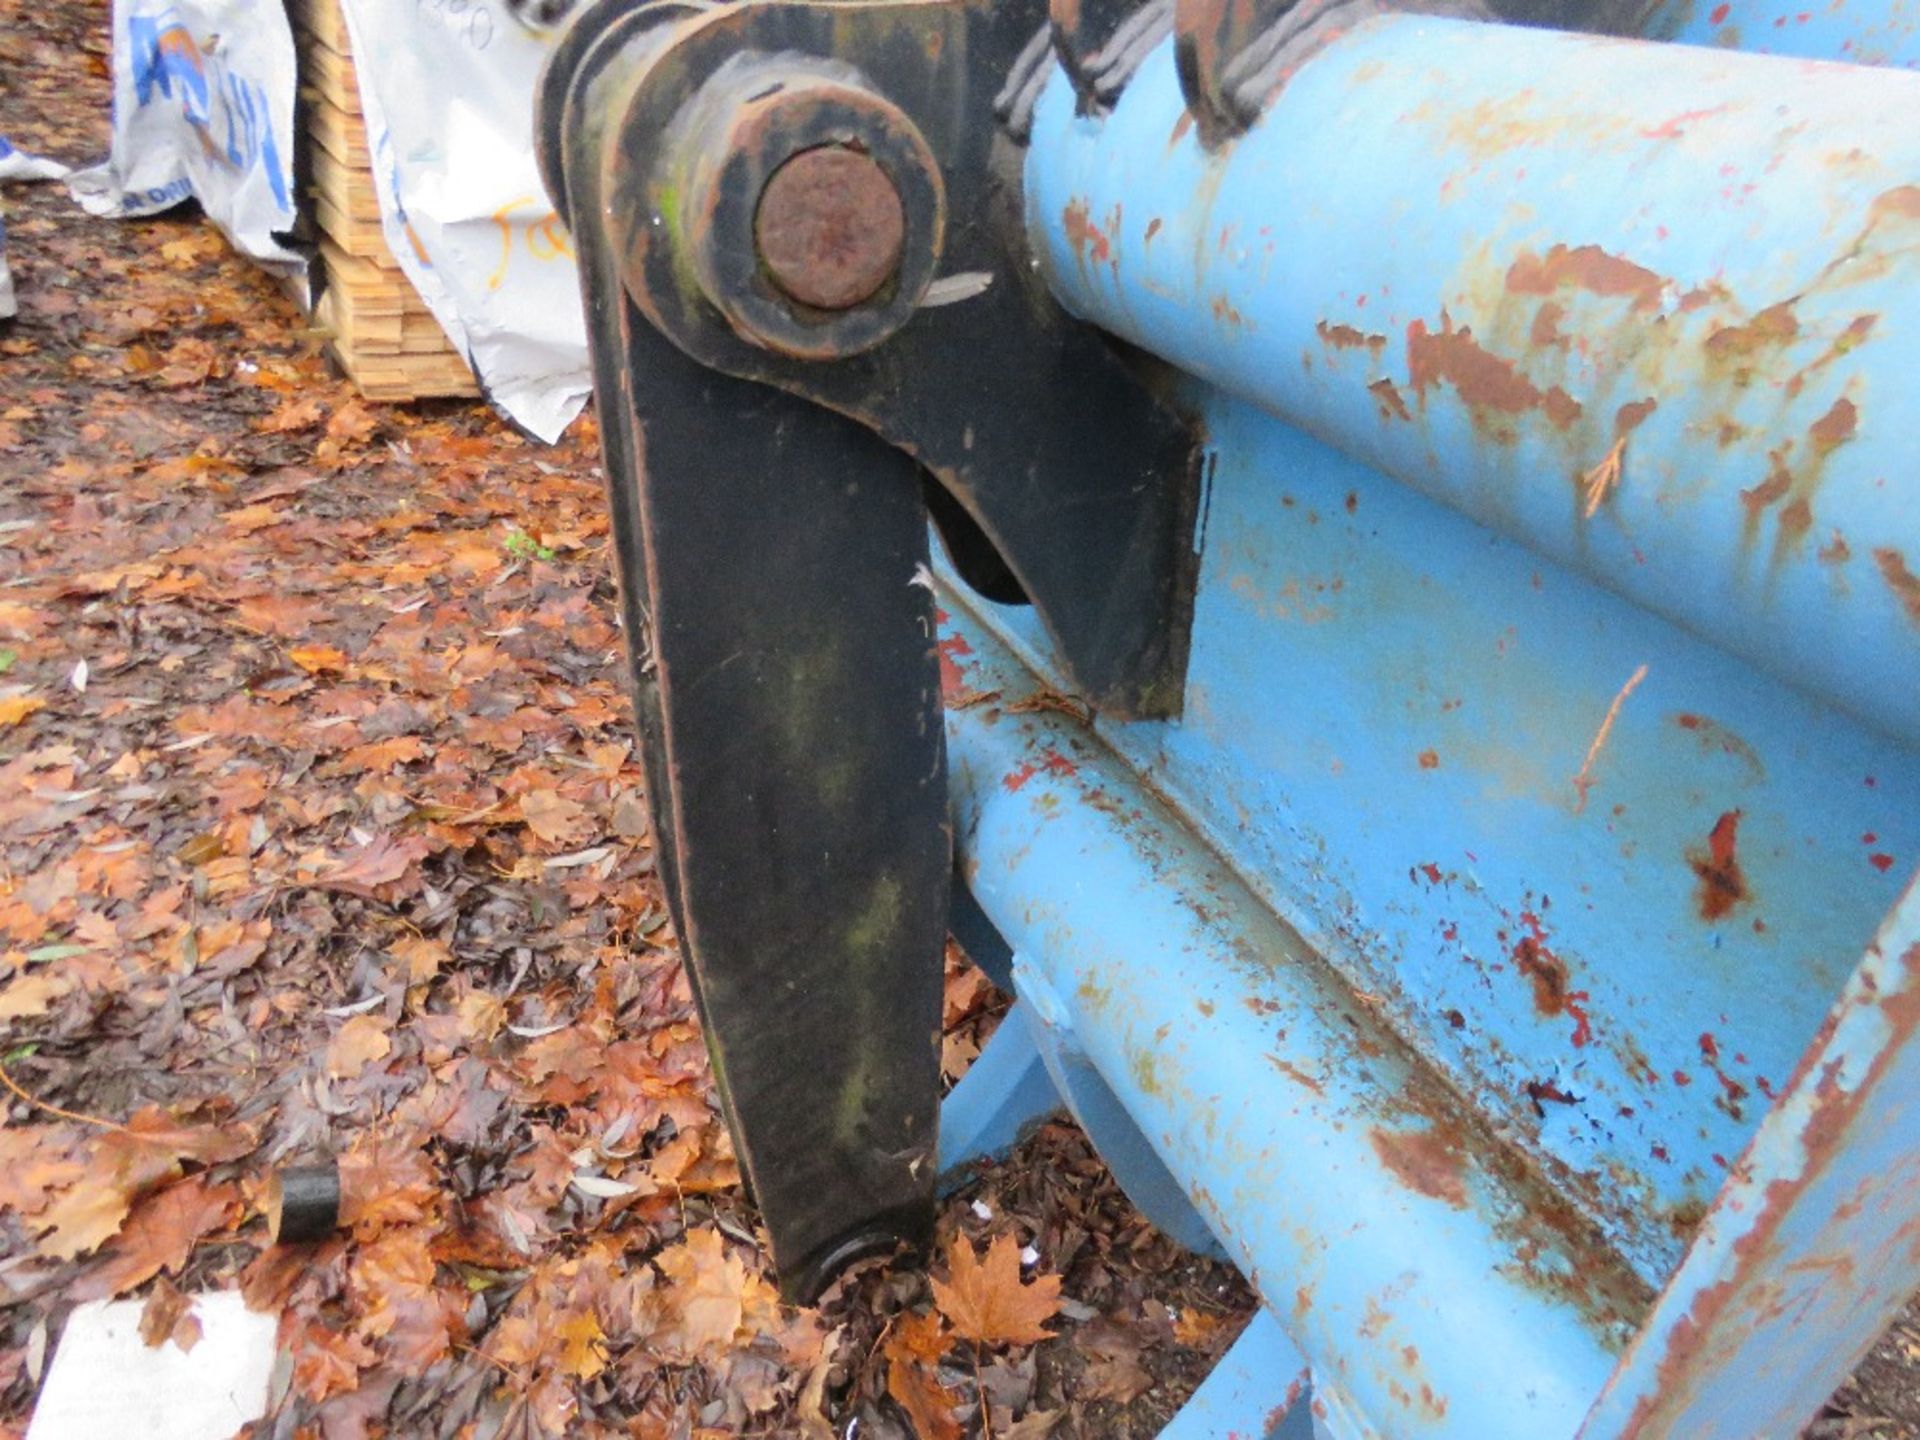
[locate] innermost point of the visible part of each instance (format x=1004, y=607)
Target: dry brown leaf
x=161, y=1234
x=1114, y=1371
x=986, y=1301
x=583, y=1351
x=85, y=1217
x=704, y=1299
x=30, y=995
x=480, y=1015
x=422, y=957
x=356, y=1045
x=353, y=423
x=125, y=1164
x=319, y=659
x=294, y=413
x=380, y=862
x=36, y=1161
x=913, y=1348
x=168, y=1315
x=15, y=708
x=552, y=816
x=1197, y=1329
x=387, y=1179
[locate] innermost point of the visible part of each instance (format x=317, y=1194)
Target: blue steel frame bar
x=1493, y=262
x=1859, y=32
x=1649, y=313
x=1346, y=1185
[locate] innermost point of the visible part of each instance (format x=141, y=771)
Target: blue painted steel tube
x=1650, y=309
x=1859, y=32
x=1435, y=1287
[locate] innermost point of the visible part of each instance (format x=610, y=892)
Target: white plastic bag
x=18, y=165
x=447, y=90
x=203, y=95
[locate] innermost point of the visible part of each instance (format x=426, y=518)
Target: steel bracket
x=815, y=196
x=815, y=325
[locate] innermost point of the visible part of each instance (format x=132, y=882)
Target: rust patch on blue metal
x=1739, y=345
x=1712, y=735
x=1585, y=267
x=1901, y=580
x=1088, y=240
x=1723, y=885
x=1345, y=337
x=1490, y=385
x=1553, y=993
x=1431, y=1162
x=1392, y=406
x=1721, y=1314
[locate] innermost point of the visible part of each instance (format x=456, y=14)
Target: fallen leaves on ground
x=323, y=835
x=913, y=1350
x=986, y=1300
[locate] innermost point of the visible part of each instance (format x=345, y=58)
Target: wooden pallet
x=382, y=334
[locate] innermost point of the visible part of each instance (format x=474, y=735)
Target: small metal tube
x=1650, y=309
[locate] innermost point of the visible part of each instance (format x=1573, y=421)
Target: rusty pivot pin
x=808, y=208
x=830, y=227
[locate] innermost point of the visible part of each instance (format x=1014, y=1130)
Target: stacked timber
x=382, y=333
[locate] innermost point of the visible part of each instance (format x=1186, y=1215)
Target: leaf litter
x=322, y=834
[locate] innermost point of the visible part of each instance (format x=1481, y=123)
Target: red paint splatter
x=1720, y=13
x=1676, y=127
x=1869, y=838
x=952, y=648
x=1709, y=1047
x=1051, y=761
x=1660, y=1152
x=1680, y=1077
x=1432, y=872
x=1881, y=862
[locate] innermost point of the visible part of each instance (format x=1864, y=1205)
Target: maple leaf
x=986, y=1301
x=392, y=1278
x=1113, y=1370
x=160, y=1235
x=35, y=1162
x=422, y=957
x=583, y=1352
x=294, y=413
x=480, y=1015
x=168, y=1315
x=913, y=1349
x=326, y=1360
x=126, y=1164
x=319, y=660
x=386, y=1179
x=552, y=816
x=382, y=861
x=705, y=1296
x=352, y=424
x=15, y=708
x=356, y=1045
x=29, y=995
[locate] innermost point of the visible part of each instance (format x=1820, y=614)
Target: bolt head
x=830, y=227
